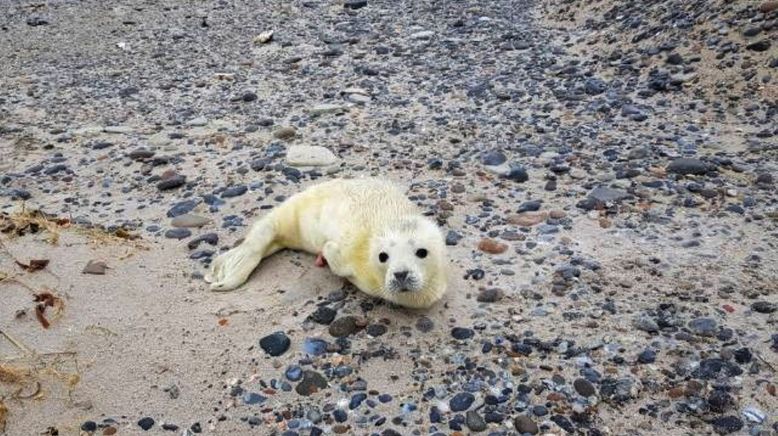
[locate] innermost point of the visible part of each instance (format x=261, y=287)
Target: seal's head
x=410, y=256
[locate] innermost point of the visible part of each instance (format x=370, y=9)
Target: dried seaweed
x=47, y=299
x=33, y=265
x=3, y=416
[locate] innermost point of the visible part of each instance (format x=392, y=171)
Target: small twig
x=18, y=344
x=12, y=279
x=759, y=356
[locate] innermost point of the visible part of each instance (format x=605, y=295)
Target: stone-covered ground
x=604, y=172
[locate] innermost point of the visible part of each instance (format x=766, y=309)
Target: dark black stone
x=530, y=206
x=584, y=387
x=89, y=426
x=674, y=59
x=462, y=333
x=234, y=191
x=686, y=166
x=517, y=173
x=376, y=330
x=323, y=315
x=180, y=233
x=275, y=344
x=354, y=4
x=762, y=45
x=726, y=424
x=461, y=401
x=173, y=182
x=764, y=307
x=146, y=423
x=453, y=238
x=208, y=238
x=493, y=158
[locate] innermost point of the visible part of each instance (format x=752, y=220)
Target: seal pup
x=366, y=230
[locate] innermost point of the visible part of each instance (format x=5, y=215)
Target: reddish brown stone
x=491, y=246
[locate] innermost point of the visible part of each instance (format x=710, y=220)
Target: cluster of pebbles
x=604, y=173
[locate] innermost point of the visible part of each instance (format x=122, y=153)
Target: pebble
x=178, y=233
x=311, y=383
x=524, y=424
x=181, y=208
x=323, y=109
x=146, y=423
x=491, y=295
x=309, y=155
x=685, y=166
x=354, y=4
x=376, y=330
x=764, y=307
x=727, y=424
x=453, y=238
x=275, y=344
x=294, y=373
x=424, y=324
x=493, y=158
x=703, y=326
x=462, y=333
x=584, y=387
x=517, y=173
x=474, y=421
x=344, y=326
x=461, y=402
x=234, y=191
x=175, y=181
x=647, y=356
x=189, y=220
x=253, y=398
x=314, y=346
x=208, y=238
x=491, y=246
x=323, y=315
x=285, y=133
x=527, y=219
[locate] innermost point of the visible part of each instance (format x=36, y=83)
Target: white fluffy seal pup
x=366, y=230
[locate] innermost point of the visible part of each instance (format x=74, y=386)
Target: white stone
x=117, y=129
x=501, y=170
x=424, y=34
x=199, y=121
x=327, y=109
x=309, y=155
x=160, y=139
x=264, y=37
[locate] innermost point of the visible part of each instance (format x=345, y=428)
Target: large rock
x=309, y=156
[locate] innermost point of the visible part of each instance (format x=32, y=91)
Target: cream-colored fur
x=351, y=222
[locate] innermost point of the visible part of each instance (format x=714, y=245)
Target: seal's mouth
x=404, y=286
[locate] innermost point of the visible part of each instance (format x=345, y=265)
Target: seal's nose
x=401, y=276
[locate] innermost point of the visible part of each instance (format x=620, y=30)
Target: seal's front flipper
x=333, y=257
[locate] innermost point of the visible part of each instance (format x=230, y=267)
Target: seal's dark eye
x=383, y=257
x=421, y=253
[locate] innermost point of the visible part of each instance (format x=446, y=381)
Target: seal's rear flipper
x=321, y=262
x=232, y=269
